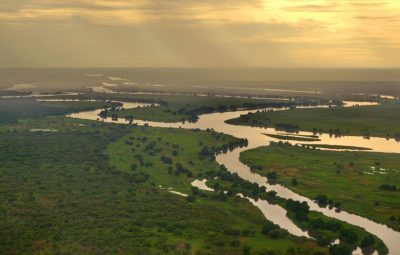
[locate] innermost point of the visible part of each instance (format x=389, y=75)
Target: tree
x=322, y=200
x=268, y=227
x=348, y=236
x=272, y=177
x=340, y=249
x=246, y=250
x=278, y=233
x=191, y=198
x=294, y=181
x=367, y=241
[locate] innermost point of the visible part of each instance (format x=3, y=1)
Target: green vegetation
x=334, y=147
x=324, y=229
x=382, y=121
x=358, y=182
x=171, y=159
x=60, y=194
x=293, y=138
x=173, y=108
x=96, y=188
x=11, y=110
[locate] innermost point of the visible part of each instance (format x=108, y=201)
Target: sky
x=200, y=33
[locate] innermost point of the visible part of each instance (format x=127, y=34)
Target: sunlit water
x=256, y=137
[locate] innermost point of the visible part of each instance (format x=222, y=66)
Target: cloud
x=384, y=18
x=197, y=33
x=312, y=8
x=368, y=5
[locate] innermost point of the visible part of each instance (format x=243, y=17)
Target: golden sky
x=195, y=33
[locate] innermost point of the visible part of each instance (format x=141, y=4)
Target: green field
x=382, y=121
x=358, y=182
x=60, y=194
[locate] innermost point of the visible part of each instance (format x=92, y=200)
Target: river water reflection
x=256, y=137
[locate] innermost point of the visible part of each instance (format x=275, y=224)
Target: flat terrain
x=382, y=121
x=174, y=108
x=81, y=187
x=76, y=191
x=12, y=110
x=358, y=182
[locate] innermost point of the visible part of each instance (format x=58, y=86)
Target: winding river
x=256, y=137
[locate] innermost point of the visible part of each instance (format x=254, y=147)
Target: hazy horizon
x=213, y=80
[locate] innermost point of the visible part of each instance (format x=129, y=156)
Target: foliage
x=349, y=180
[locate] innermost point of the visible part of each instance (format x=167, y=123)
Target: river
x=256, y=137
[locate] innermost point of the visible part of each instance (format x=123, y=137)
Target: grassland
x=382, y=121
x=358, y=182
x=185, y=149
x=74, y=192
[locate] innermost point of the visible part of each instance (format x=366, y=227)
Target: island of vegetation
x=367, y=121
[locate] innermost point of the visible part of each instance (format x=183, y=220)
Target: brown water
x=256, y=138
x=274, y=213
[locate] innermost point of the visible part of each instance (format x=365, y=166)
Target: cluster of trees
x=388, y=187
x=272, y=177
x=139, y=177
x=209, y=152
x=273, y=231
x=335, y=132
x=166, y=160
x=299, y=209
x=116, y=106
x=348, y=239
x=239, y=185
x=179, y=169
x=319, y=228
x=287, y=127
x=323, y=201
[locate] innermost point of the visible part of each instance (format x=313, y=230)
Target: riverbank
x=357, y=182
